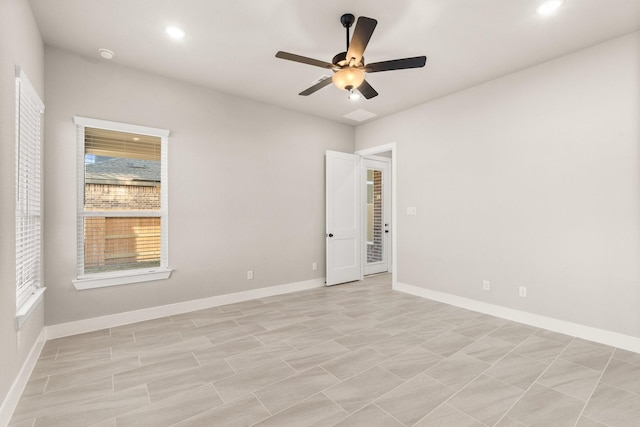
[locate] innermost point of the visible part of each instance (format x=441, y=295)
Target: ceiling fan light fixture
x=348, y=78
x=548, y=7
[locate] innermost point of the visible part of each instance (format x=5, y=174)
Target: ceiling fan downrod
x=347, y=21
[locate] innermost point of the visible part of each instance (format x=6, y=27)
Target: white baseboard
x=589, y=333
x=13, y=396
x=113, y=320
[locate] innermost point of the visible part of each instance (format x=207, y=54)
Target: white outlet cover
x=412, y=210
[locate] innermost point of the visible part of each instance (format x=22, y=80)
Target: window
x=29, y=109
x=122, y=203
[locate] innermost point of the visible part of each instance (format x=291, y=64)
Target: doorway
x=346, y=248
x=377, y=214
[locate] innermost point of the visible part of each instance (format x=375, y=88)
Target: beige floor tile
x=488, y=349
x=362, y=389
x=353, y=325
x=294, y=389
x=430, y=329
x=313, y=356
x=273, y=336
x=546, y=407
x=447, y=343
x=586, y=353
x=474, y=329
x=517, y=370
x=396, y=344
x=446, y=416
x=486, y=399
x=571, y=379
x=97, y=410
x=51, y=366
x=244, y=412
x=317, y=411
x=411, y=363
x=370, y=416
x=509, y=422
x=353, y=362
x=92, y=344
x=613, y=407
x=235, y=386
x=457, y=371
x=182, y=326
x=34, y=387
x=172, y=351
x=231, y=334
x=148, y=345
x=313, y=337
x=627, y=356
x=414, y=399
x=93, y=372
x=56, y=402
x=514, y=333
x=362, y=338
x=588, y=422
x=173, y=409
x=545, y=350
x=259, y=356
x=227, y=349
x=183, y=381
x=355, y=343
x=623, y=375
x=152, y=372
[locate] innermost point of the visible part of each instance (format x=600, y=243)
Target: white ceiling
x=230, y=45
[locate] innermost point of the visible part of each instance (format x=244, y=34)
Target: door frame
x=394, y=211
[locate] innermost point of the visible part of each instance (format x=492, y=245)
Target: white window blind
x=29, y=109
x=122, y=200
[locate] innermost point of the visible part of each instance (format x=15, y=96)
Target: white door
x=377, y=214
x=343, y=235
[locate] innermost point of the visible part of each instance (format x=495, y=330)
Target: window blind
x=122, y=209
x=29, y=109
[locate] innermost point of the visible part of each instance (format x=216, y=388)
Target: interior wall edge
x=97, y=323
x=15, y=392
x=614, y=339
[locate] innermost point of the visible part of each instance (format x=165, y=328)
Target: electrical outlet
x=523, y=291
x=412, y=210
x=250, y=275
x=314, y=266
x=486, y=285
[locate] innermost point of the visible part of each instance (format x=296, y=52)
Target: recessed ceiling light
x=548, y=7
x=106, y=53
x=174, y=32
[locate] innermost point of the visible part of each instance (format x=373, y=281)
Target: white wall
x=20, y=44
x=246, y=186
x=529, y=180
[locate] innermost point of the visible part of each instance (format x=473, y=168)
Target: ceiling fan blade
x=316, y=87
x=366, y=90
x=361, y=35
x=303, y=59
x=396, y=64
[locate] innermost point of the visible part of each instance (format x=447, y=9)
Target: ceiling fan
x=349, y=67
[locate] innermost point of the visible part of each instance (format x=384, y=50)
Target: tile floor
x=351, y=355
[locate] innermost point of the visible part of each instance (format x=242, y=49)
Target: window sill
x=25, y=310
x=123, y=278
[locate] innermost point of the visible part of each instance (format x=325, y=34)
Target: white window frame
x=99, y=280
x=29, y=110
